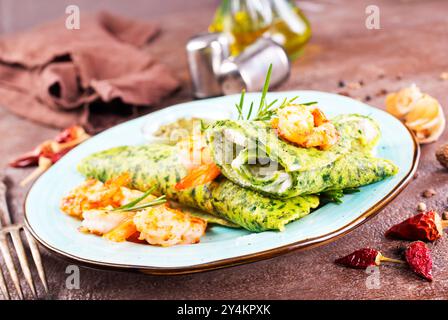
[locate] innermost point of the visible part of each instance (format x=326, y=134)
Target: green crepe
x=158, y=165
x=250, y=154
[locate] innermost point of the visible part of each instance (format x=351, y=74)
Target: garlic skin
x=420, y=112
x=400, y=103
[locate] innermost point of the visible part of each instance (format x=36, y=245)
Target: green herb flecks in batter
x=240, y=147
x=158, y=165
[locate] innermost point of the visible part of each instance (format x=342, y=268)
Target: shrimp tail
x=199, y=176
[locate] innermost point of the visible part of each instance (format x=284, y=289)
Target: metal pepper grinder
x=248, y=70
x=205, y=53
x=214, y=72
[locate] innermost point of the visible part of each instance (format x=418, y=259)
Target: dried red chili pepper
x=419, y=259
x=26, y=160
x=69, y=134
x=50, y=151
x=362, y=258
x=426, y=226
x=58, y=155
x=32, y=158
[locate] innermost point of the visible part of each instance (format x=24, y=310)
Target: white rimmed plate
x=221, y=246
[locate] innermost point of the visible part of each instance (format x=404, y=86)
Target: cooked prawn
x=194, y=151
x=196, y=157
x=199, y=176
x=165, y=226
x=83, y=198
x=305, y=126
x=93, y=194
x=124, y=231
x=94, y=201
x=102, y=221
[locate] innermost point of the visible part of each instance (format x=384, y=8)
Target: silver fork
x=14, y=232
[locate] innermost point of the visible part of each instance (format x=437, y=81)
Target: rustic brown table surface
x=411, y=46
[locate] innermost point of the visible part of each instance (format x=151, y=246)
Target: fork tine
x=37, y=259
x=3, y=286
x=10, y=266
x=21, y=254
x=19, y=248
x=3, y=203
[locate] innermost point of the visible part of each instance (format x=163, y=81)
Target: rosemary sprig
x=265, y=110
x=239, y=106
x=135, y=201
x=250, y=110
x=263, y=107
x=309, y=103
x=157, y=201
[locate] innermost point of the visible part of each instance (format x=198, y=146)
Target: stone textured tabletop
x=411, y=46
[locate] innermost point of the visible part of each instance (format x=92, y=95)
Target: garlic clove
x=426, y=136
x=423, y=111
x=399, y=103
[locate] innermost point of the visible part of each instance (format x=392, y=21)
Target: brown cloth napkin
x=60, y=77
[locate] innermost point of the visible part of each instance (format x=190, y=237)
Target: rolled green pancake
x=250, y=154
x=159, y=166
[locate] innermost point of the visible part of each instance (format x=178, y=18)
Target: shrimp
x=196, y=157
x=93, y=194
x=165, y=226
x=123, y=231
x=83, y=198
x=100, y=222
x=305, y=126
x=194, y=152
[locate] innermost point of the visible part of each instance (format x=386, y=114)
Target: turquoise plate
x=220, y=247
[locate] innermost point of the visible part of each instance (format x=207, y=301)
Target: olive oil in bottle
x=244, y=21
